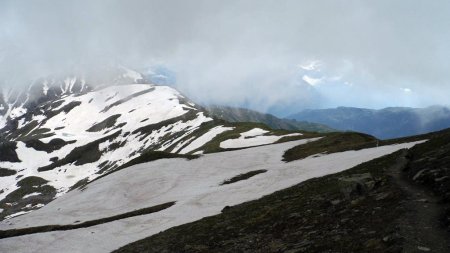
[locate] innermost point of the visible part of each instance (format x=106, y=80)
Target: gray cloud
x=242, y=52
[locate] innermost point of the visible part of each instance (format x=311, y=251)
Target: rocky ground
x=397, y=203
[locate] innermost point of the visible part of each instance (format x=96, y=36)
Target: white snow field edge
x=254, y=137
x=194, y=184
x=202, y=140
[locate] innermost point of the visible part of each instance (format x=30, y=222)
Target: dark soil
x=53, y=145
x=14, y=201
x=107, y=123
x=243, y=176
x=88, y=153
x=7, y=172
x=8, y=152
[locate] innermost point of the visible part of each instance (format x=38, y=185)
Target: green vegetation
x=243, y=176
x=238, y=128
x=49, y=228
x=344, y=141
x=331, y=143
x=213, y=146
x=305, y=135
x=203, y=129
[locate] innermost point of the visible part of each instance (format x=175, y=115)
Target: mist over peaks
x=267, y=55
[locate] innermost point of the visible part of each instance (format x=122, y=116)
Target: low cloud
x=247, y=53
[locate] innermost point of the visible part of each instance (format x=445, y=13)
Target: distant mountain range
x=235, y=114
x=392, y=122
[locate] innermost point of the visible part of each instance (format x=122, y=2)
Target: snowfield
x=193, y=184
x=133, y=106
x=254, y=137
x=101, y=129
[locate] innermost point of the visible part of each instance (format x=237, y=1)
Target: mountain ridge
x=70, y=137
x=386, y=123
x=238, y=114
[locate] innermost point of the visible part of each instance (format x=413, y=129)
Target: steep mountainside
x=385, y=123
x=234, y=114
x=54, y=141
x=14, y=102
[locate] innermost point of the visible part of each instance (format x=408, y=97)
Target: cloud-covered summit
x=372, y=53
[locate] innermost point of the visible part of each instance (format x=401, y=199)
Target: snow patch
x=252, y=138
x=254, y=132
x=31, y=194
x=16, y=214
x=202, y=140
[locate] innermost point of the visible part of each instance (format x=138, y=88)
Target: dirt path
x=420, y=226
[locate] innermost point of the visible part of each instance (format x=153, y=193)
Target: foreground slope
x=196, y=186
x=396, y=203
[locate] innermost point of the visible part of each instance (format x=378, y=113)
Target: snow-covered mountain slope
x=72, y=138
x=17, y=100
x=82, y=132
x=194, y=185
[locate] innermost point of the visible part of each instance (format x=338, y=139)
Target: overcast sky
x=277, y=56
